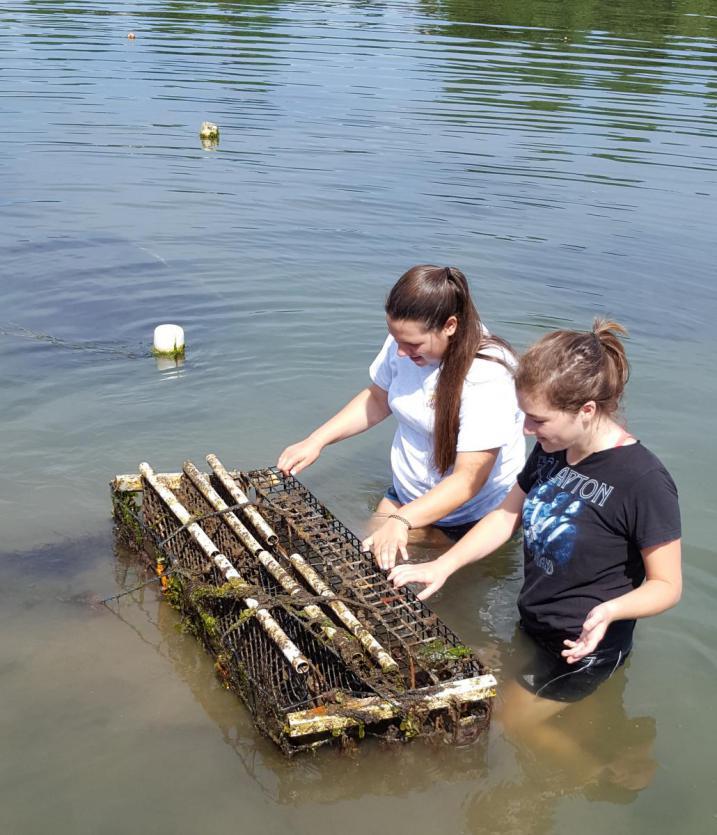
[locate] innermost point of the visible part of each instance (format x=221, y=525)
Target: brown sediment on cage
x=302, y=625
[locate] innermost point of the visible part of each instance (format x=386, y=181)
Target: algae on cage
x=126, y=514
x=438, y=652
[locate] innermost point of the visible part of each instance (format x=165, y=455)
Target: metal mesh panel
x=401, y=622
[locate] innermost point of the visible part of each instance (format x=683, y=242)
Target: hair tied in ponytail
x=569, y=368
x=430, y=295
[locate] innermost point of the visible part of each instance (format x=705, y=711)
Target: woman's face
x=421, y=346
x=553, y=428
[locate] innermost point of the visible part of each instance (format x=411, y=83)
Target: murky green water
x=561, y=153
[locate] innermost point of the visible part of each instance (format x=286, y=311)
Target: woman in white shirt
x=459, y=443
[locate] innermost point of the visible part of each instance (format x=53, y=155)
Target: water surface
x=561, y=153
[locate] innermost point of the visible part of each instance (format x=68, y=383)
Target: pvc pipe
x=353, y=711
x=277, y=571
x=248, y=509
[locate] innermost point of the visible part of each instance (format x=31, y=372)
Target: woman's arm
x=368, y=408
x=490, y=533
x=661, y=590
x=470, y=473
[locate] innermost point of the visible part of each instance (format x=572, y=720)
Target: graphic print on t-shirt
x=551, y=511
x=549, y=515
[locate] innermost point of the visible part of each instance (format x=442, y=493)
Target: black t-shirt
x=583, y=529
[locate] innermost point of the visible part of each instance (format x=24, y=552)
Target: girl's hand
x=298, y=457
x=594, y=628
x=431, y=574
x=386, y=543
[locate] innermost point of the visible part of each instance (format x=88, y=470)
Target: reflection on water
x=561, y=153
x=611, y=759
x=171, y=367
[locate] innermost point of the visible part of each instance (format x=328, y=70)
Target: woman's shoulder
x=382, y=369
x=387, y=350
x=635, y=473
x=640, y=461
x=639, y=456
x=493, y=363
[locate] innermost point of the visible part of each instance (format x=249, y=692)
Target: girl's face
x=421, y=346
x=555, y=429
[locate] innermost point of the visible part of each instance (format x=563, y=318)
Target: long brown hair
x=430, y=295
x=570, y=368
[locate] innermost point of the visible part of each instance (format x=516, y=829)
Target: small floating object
x=168, y=341
x=302, y=624
x=208, y=130
x=131, y=36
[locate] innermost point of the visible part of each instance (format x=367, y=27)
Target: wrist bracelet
x=401, y=519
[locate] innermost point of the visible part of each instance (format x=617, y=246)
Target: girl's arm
x=368, y=408
x=490, y=533
x=661, y=590
x=470, y=473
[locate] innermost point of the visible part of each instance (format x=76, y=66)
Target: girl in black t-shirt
x=600, y=518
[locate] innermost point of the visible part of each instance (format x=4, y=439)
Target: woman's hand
x=298, y=457
x=369, y=407
x=594, y=628
x=431, y=574
x=387, y=542
x=661, y=590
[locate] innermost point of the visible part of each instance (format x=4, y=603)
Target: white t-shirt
x=489, y=418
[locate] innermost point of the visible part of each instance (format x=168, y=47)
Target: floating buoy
x=168, y=341
x=208, y=130
x=131, y=36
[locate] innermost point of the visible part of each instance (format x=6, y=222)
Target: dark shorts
x=549, y=676
x=454, y=532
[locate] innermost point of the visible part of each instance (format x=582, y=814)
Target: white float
x=168, y=341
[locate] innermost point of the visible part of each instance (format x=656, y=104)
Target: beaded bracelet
x=401, y=519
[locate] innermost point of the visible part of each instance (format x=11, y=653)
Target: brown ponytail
x=570, y=368
x=431, y=295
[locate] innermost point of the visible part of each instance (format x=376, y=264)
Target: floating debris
x=131, y=36
x=301, y=623
x=208, y=130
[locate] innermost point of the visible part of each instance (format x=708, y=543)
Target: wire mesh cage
x=301, y=623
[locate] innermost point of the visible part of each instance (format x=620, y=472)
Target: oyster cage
x=301, y=623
